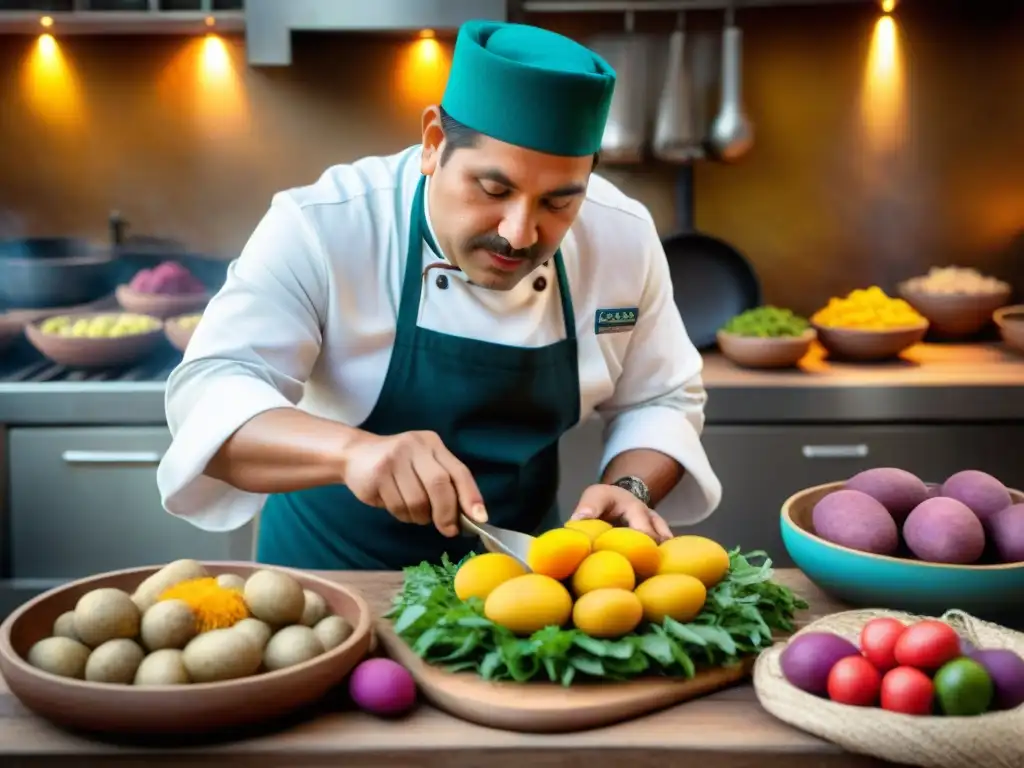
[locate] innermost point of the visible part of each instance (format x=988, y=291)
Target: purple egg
x=382, y=687
x=855, y=520
x=808, y=659
x=896, y=489
x=943, y=530
x=1006, y=669
x=1006, y=528
x=984, y=494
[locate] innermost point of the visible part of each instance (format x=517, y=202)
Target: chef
x=408, y=337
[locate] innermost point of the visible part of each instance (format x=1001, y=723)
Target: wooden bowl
x=882, y=581
x=87, y=352
x=173, y=709
x=758, y=352
x=955, y=315
x=177, y=334
x=160, y=304
x=1011, y=326
x=859, y=345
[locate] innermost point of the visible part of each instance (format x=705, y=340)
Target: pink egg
x=382, y=687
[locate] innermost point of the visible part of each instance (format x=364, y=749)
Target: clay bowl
x=78, y=352
x=758, y=352
x=165, y=710
x=955, y=315
x=880, y=581
x=177, y=334
x=1011, y=326
x=859, y=345
x=159, y=304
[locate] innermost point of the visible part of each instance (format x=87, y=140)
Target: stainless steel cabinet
x=84, y=500
x=761, y=466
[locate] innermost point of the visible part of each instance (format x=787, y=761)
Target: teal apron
x=500, y=409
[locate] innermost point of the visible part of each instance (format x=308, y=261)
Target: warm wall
x=820, y=205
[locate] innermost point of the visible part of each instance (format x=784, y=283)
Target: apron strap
x=412, y=282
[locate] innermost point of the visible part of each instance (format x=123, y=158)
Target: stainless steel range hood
x=269, y=23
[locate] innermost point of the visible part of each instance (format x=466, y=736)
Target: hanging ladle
x=732, y=134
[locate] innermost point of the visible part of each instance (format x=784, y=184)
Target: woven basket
x=992, y=740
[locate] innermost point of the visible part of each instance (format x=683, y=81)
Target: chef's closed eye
x=493, y=188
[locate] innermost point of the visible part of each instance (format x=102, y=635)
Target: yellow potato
x=149, y=591
x=333, y=631
x=290, y=646
x=163, y=667
x=274, y=597
x=221, y=654
x=60, y=656
x=168, y=624
x=105, y=614
x=116, y=661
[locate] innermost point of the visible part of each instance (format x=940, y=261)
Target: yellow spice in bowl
x=215, y=607
x=867, y=309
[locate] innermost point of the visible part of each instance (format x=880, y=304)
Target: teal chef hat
x=530, y=87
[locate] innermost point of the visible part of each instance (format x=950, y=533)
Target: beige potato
x=274, y=597
x=60, y=656
x=258, y=631
x=149, y=591
x=163, y=667
x=221, y=654
x=64, y=626
x=105, y=614
x=231, y=581
x=290, y=646
x=115, y=661
x=168, y=624
x=314, y=608
x=332, y=631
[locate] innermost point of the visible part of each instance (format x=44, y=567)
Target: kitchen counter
x=724, y=730
x=931, y=383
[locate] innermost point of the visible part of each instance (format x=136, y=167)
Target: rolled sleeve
x=253, y=351
x=659, y=398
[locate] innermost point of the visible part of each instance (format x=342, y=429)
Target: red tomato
x=927, y=645
x=878, y=642
x=855, y=681
x=907, y=690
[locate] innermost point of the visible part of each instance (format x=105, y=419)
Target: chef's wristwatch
x=636, y=486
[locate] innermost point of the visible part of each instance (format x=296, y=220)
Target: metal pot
x=50, y=272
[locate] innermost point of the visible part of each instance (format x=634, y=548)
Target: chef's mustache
x=495, y=243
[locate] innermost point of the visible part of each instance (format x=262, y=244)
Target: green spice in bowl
x=766, y=337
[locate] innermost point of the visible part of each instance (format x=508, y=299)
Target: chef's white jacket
x=307, y=319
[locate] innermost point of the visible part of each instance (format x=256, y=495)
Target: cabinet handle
x=111, y=457
x=835, y=451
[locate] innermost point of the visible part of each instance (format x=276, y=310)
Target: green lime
x=963, y=688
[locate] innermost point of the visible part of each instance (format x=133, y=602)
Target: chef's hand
x=620, y=507
x=414, y=477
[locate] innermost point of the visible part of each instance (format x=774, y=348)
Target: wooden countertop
x=920, y=366
x=725, y=730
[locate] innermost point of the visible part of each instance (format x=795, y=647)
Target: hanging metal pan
x=712, y=281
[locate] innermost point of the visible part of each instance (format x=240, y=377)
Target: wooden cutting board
x=544, y=707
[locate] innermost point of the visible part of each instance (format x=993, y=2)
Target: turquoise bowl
x=879, y=581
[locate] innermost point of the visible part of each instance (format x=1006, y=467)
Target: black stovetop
x=22, y=364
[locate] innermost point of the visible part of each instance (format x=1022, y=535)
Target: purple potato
x=855, y=520
x=1006, y=528
x=943, y=530
x=981, y=492
x=382, y=687
x=1006, y=669
x=897, y=490
x=808, y=659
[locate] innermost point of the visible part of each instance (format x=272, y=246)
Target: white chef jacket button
x=540, y=284
x=442, y=281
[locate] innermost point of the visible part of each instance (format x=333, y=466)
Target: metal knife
x=512, y=543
